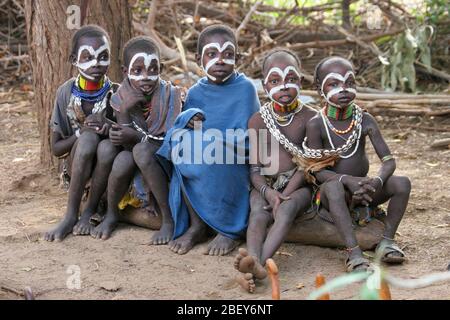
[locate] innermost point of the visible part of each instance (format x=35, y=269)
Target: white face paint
x=283, y=75
x=215, y=60
x=83, y=66
x=148, y=58
x=339, y=89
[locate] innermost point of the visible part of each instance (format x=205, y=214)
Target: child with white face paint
x=217, y=57
x=277, y=197
x=335, y=146
x=146, y=107
x=80, y=128
x=221, y=101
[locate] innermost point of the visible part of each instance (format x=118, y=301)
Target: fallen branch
x=441, y=143
x=247, y=18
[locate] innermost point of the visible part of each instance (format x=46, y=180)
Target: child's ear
x=198, y=58
x=317, y=85
x=73, y=59
x=124, y=71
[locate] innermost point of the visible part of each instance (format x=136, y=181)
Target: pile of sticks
x=261, y=27
x=14, y=60
x=431, y=105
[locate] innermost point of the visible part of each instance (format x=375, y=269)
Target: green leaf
x=337, y=283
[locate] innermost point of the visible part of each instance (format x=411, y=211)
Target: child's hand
x=129, y=96
x=361, y=196
x=274, y=198
x=196, y=118
x=351, y=183
x=371, y=184
x=120, y=135
x=96, y=123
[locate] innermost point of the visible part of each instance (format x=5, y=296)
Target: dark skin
x=221, y=245
x=277, y=208
x=135, y=154
x=83, y=153
x=355, y=185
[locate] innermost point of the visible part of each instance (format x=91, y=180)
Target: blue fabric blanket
x=217, y=190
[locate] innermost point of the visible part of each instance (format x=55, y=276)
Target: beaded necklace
x=285, y=120
x=95, y=96
x=285, y=109
x=87, y=85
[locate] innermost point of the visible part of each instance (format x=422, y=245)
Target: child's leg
x=332, y=197
x=288, y=210
x=118, y=183
x=195, y=234
x=397, y=189
x=221, y=245
x=82, y=160
x=156, y=179
x=106, y=153
x=248, y=261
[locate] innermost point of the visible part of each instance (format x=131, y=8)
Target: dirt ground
x=125, y=267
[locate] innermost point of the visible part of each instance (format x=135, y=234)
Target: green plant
x=406, y=49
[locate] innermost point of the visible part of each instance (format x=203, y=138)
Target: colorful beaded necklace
x=87, y=85
x=339, y=114
x=285, y=109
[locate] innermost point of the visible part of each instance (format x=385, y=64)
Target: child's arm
x=61, y=146
x=122, y=132
x=273, y=197
x=297, y=181
x=388, y=164
x=313, y=133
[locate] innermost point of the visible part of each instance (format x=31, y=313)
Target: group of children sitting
x=124, y=141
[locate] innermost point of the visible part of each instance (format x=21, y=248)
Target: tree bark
x=346, y=14
x=49, y=42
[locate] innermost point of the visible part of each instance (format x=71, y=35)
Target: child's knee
x=401, y=185
x=106, y=151
x=334, y=191
x=143, y=154
x=87, y=145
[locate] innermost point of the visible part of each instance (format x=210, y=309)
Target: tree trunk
x=346, y=14
x=49, y=42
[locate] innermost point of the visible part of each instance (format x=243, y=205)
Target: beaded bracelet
x=387, y=158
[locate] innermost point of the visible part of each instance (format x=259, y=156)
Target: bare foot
x=245, y=263
x=246, y=282
x=104, y=230
x=221, y=246
x=164, y=235
x=84, y=226
x=62, y=230
x=187, y=241
x=237, y=261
